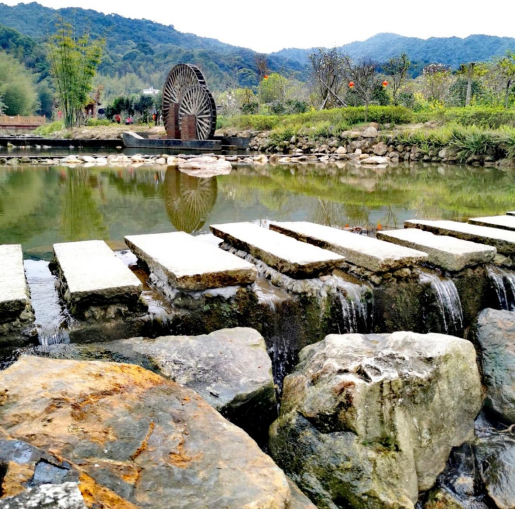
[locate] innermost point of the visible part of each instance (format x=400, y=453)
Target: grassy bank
x=331, y=122
x=467, y=140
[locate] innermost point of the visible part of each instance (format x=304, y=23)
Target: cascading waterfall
x=448, y=300
x=503, y=284
x=355, y=311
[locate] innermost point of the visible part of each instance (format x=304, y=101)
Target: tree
x=261, y=64
x=18, y=94
x=505, y=68
x=364, y=78
x=328, y=76
x=2, y=104
x=437, y=80
x=398, y=70
x=73, y=63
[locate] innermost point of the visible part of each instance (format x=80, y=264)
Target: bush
x=468, y=140
x=46, y=129
x=489, y=118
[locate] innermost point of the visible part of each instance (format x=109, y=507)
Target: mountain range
x=144, y=48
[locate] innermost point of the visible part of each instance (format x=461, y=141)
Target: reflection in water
x=189, y=200
x=81, y=218
x=40, y=206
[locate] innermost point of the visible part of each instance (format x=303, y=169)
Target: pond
x=40, y=206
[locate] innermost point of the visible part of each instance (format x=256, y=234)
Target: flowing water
x=356, y=315
x=448, y=300
x=503, y=284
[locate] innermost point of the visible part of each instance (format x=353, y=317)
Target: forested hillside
x=451, y=51
x=139, y=53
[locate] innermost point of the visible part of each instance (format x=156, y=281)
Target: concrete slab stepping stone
x=506, y=222
x=446, y=252
x=92, y=275
x=14, y=293
x=15, y=306
x=371, y=254
x=289, y=256
x=188, y=263
x=501, y=239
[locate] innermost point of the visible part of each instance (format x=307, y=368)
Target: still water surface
x=40, y=206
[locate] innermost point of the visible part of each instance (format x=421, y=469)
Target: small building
x=150, y=91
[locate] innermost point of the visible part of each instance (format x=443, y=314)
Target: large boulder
x=370, y=420
x=152, y=442
x=229, y=368
x=493, y=335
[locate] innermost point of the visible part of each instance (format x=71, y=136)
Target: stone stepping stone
x=289, y=256
x=371, y=254
x=511, y=213
x=14, y=293
x=501, y=239
x=448, y=253
x=188, y=263
x=93, y=275
x=506, y=222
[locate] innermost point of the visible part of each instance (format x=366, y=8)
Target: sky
x=271, y=25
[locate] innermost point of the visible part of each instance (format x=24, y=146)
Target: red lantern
x=385, y=83
x=351, y=84
x=266, y=77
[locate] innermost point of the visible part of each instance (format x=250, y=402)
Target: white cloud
x=270, y=25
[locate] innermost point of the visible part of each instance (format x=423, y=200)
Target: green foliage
x=468, y=140
x=94, y=122
x=488, y=118
x=140, y=105
x=337, y=117
x=17, y=90
x=74, y=62
x=45, y=130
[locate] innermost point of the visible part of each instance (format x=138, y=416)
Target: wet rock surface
x=494, y=453
x=33, y=478
x=493, y=335
x=150, y=441
x=370, y=420
x=229, y=368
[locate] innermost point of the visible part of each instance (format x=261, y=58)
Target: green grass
x=488, y=118
x=338, y=118
x=45, y=130
x=468, y=140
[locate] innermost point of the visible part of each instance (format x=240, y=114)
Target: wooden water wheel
x=197, y=102
x=186, y=94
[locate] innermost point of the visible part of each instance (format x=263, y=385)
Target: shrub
x=46, y=129
x=94, y=122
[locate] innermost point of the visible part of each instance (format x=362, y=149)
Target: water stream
x=355, y=310
x=503, y=284
x=448, y=300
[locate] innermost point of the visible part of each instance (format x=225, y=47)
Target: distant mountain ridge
x=147, y=50
x=452, y=51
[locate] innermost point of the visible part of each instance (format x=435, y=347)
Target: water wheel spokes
x=198, y=101
x=179, y=79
